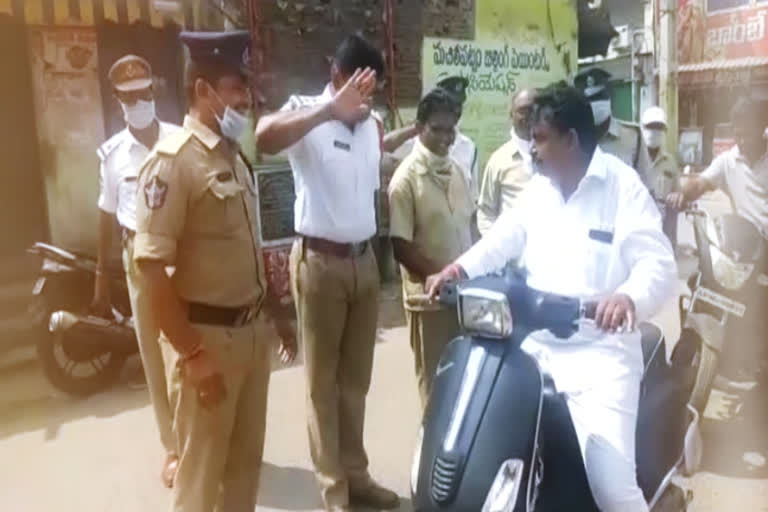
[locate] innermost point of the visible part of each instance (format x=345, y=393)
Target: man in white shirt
x=399, y=143
x=588, y=228
x=121, y=158
x=741, y=172
x=333, y=145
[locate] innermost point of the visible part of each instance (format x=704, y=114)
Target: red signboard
x=720, y=35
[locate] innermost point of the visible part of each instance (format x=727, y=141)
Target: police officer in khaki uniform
x=121, y=158
x=399, y=143
x=333, y=145
x=509, y=169
x=665, y=172
x=431, y=218
x=619, y=138
x=196, y=212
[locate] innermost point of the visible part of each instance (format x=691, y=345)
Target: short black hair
x=211, y=72
x=566, y=108
x=355, y=53
x=437, y=100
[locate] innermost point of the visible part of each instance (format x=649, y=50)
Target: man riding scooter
x=586, y=227
x=739, y=172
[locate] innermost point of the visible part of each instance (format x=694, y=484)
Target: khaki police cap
x=130, y=73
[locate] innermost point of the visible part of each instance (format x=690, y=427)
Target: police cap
x=229, y=49
x=592, y=81
x=130, y=73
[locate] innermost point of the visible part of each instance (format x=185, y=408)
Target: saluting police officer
x=196, y=212
x=616, y=137
x=121, y=158
x=333, y=145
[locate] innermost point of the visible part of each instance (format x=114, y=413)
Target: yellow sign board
x=517, y=45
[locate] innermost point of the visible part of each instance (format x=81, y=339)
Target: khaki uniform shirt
x=196, y=210
x=665, y=174
x=434, y=213
x=625, y=141
x=506, y=174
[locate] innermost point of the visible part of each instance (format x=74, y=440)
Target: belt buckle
x=358, y=248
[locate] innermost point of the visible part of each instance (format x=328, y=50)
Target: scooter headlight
x=505, y=488
x=485, y=312
x=416, y=465
x=728, y=273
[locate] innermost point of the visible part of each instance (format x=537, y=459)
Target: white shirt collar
x=597, y=165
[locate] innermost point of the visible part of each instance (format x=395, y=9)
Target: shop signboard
x=717, y=30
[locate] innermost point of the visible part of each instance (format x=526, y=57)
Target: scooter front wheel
x=705, y=376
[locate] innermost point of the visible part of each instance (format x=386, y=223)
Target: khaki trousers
x=220, y=449
x=430, y=332
x=147, y=335
x=337, y=310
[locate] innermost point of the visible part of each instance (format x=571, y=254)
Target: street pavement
x=102, y=453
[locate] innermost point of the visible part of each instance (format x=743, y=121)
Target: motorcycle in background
x=725, y=309
x=81, y=354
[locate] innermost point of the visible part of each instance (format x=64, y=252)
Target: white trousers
x=601, y=381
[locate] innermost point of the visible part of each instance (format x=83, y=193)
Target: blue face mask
x=232, y=123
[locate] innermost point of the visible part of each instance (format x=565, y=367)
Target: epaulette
x=173, y=143
x=110, y=144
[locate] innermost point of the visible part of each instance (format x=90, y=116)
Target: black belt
x=340, y=250
x=225, y=317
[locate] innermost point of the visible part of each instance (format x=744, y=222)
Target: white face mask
x=232, y=123
x=654, y=138
x=601, y=110
x=140, y=114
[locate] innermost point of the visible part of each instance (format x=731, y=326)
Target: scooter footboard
x=480, y=427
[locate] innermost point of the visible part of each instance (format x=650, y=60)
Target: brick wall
x=301, y=35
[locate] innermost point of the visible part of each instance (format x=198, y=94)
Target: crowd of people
x=571, y=197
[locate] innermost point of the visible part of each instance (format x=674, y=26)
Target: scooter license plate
x=721, y=301
x=38, y=288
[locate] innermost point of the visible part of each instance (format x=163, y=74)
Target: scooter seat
x=652, y=340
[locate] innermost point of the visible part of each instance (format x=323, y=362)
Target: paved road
x=101, y=454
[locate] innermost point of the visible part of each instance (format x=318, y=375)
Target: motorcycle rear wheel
x=63, y=371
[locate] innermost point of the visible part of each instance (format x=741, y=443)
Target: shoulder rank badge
x=154, y=193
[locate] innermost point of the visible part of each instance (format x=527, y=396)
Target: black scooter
x=496, y=435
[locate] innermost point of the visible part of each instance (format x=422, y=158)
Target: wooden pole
x=668, y=90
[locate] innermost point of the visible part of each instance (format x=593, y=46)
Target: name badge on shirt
x=342, y=145
x=602, y=236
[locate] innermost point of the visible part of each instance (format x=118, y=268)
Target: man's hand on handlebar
x=452, y=272
x=616, y=314
x=677, y=200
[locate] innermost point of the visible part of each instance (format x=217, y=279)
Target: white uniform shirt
x=464, y=151
x=606, y=238
x=121, y=159
x=336, y=176
x=746, y=186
